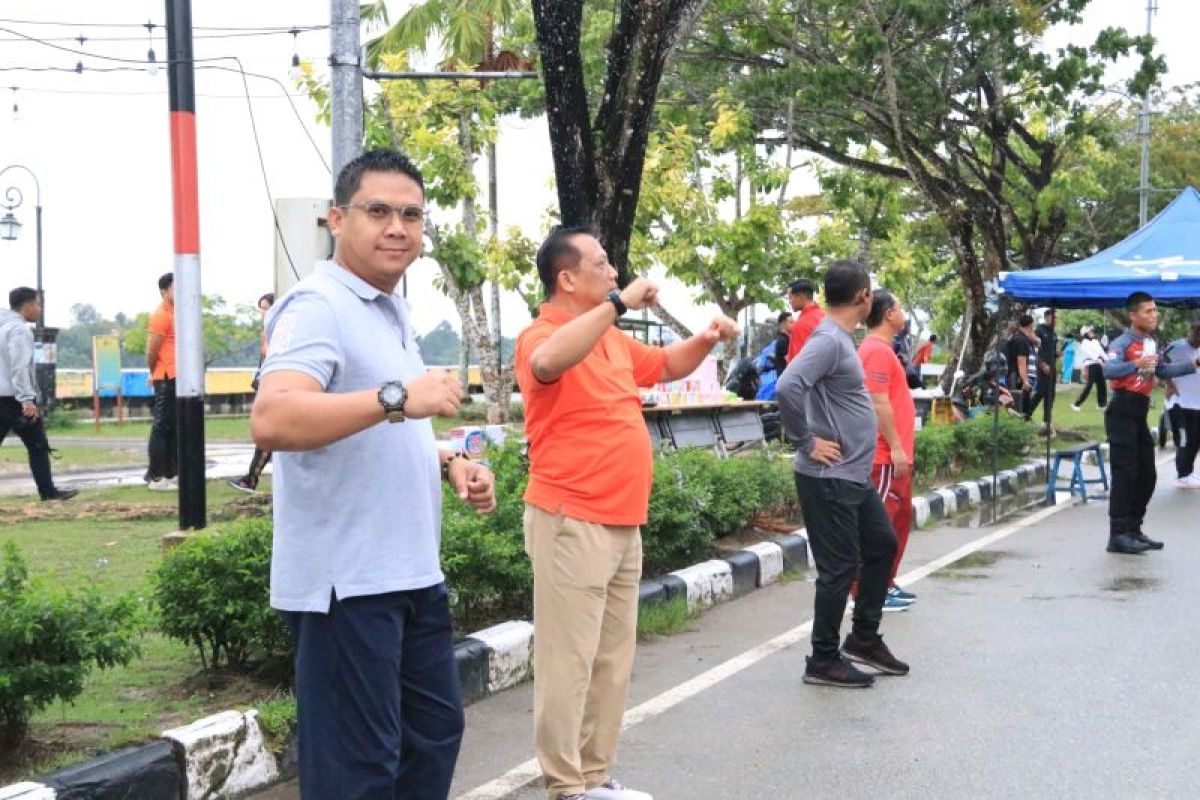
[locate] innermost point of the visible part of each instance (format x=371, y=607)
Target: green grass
x=216, y=429
x=69, y=458
x=663, y=619
x=111, y=539
x=1088, y=422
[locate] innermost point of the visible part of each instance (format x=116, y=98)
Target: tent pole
x=1050, y=416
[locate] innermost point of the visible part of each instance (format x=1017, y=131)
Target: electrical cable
x=277, y=28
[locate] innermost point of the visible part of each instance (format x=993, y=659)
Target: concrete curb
x=225, y=755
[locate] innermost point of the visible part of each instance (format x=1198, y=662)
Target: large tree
x=957, y=98
x=600, y=124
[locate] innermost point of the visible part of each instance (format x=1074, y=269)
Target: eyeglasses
x=381, y=212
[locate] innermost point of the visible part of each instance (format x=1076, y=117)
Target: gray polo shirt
x=361, y=516
x=821, y=393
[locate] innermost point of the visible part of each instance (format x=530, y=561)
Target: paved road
x=223, y=460
x=1042, y=667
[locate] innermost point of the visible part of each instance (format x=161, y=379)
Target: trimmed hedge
x=944, y=450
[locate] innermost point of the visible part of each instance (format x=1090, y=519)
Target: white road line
x=528, y=772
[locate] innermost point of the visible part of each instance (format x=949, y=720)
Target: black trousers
x=379, y=711
x=1131, y=456
x=1045, y=392
x=1094, y=377
x=850, y=535
x=32, y=433
x=164, y=447
x=1185, y=428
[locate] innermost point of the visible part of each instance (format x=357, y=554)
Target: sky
x=98, y=143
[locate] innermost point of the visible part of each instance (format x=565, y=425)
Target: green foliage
x=277, y=720
x=49, y=641
x=213, y=592
x=61, y=418
x=942, y=450
x=231, y=334
x=698, y=498
x=483, y=555
x=663, y=619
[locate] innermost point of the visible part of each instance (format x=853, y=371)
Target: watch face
x=391, y=394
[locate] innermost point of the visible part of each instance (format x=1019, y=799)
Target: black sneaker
x=1126, y=545
x=873, y=654
x=61, y=494
x=243, y=485
x=835, y=672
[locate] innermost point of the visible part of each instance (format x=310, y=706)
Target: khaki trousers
x=585, y=604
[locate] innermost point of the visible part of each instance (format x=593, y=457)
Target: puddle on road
x=966, y=568
x=1010, y=506
x=1128, y=583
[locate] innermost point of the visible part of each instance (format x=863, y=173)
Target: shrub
x=934, y=447
x=61, y=417
x=213, y=592
x=49, y=642
x=483, y=556
x=675, y=532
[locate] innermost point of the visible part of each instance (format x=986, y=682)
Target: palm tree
x=467, y=30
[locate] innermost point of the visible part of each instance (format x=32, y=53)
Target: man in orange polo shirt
x=160, y=359
x=590, y=473
x=808, y=315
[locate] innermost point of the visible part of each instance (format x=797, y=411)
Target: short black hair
x=1136, y=299
x=558, y=253
x=882, y=301
x=1049, y=313
x=783, y=315
x=383, y=160
x=1024, y=321
x=802, y=286
x=20, y=296
x=166, y=281
x=933, y=337
x=844, y=279
x=269, y=297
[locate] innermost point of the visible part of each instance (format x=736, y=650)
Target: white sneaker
x=162, y=485
x=1075, y=407
x=615, y=791
x=1190, y=482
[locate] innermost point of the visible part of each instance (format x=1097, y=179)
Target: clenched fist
x=639, y=294
x=721, y=329
x=435, y=394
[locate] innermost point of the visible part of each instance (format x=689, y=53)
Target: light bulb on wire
x=151, y=61
x=295, y=72
x=16, y=117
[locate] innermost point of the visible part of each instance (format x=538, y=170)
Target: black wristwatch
x=392, y=396
x=614, y=297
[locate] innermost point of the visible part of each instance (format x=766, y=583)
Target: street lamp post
x=10, y=229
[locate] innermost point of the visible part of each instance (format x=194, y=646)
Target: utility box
x=306, y=236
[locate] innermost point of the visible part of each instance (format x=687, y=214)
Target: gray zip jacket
x=16, y=357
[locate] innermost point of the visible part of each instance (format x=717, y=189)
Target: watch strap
x=614, y=297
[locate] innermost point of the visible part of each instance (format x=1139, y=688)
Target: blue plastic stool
x=1078, y=481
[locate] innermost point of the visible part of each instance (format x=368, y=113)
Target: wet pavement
x=1043, y=666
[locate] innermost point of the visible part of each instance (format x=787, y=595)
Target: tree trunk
x=598, y=167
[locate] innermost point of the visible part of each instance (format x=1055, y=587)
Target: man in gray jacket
x=18, y=406
x=829, y=416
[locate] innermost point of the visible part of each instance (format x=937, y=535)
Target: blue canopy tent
x=1162, y=259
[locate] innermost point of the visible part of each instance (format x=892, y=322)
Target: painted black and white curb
x=225, y=755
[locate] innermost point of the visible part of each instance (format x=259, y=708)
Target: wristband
x=446, y=465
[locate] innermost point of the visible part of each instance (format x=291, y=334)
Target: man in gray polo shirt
x=828, y=414
x=357, y=506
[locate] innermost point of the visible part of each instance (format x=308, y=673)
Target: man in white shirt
x=1091, y=357
x=1185, y=411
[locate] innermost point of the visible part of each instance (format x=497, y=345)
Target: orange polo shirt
x=162, y=322
x=590, y=455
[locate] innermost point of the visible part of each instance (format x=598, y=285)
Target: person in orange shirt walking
x=590, y=473
x=160, y=359
x=808, y=315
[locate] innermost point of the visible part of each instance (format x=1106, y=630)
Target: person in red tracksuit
x=1132, y=366
x=891, y=470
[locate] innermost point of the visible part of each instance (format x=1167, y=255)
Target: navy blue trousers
x=378, y=705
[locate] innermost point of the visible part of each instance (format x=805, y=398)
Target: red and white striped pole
x=189, y=339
